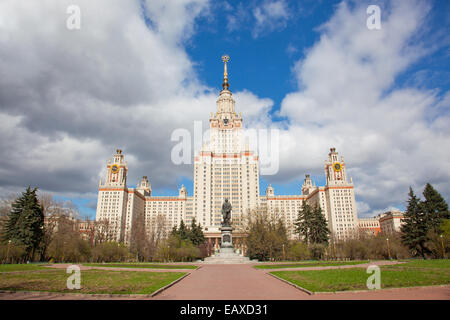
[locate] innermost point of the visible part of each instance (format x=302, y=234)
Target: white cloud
x=347, y=99
x=269, y=16
x=70, y=98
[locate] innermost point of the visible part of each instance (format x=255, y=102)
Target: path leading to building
x=230, y=282
x=243, y=282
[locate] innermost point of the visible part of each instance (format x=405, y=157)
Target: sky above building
x=135, y=71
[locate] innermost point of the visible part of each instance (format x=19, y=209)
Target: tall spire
x=225, y=59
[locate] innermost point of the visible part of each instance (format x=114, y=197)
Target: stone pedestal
x=227, y=254
x=227, y=238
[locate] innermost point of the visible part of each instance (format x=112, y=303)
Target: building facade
x=369, y=226
x=225, y=167
x=390, y=221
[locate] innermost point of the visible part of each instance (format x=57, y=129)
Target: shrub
x=298, y=251
x=110, y=252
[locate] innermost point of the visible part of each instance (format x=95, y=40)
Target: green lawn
x=92, y=281
x=416, y=273
x=435, y=263
x=20, y=267
x=141, y=265
x=309, y=264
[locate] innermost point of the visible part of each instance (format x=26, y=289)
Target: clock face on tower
x=114, y=168
x=225, y=121
x=337, y=166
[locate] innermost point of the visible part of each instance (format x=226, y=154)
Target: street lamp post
x=389, y=251
x=283, y=252
x=443, y=248
x=7, y=252
x=334, y=250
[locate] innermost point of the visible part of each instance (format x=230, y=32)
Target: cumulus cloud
x=269, y=16
x=69, y=98
x=348, y=98
x=259, y=17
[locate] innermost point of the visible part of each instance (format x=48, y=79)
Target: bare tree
x=157, y=233
x=102, y=231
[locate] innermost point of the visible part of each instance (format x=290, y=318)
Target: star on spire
x=225, y=59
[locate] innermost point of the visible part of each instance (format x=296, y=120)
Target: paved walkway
x=230, y=282
x=243, y=282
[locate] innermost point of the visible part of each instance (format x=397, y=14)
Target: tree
x=197, y=236
x=102, y=231
x=194, y=234
x=183, y=231
x=6, y=202
x=319, y=232
x=157, y=234
x=25, y=223
x=435, y=208
x=311, y=225
x=415, y=227
x=66, y=244
x=298, y=251
x=53, y=210
x=303, y=222
x=266, y=236
x=138, y=237
x=445, y=227
x=110, y=251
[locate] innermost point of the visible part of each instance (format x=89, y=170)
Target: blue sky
x=310, y=68
x=263, y=64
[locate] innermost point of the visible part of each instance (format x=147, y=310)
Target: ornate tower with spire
x=341, y=203
x=224, y=168
x=113, y=197
x=225, y=124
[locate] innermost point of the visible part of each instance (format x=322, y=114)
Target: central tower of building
x=225, y=167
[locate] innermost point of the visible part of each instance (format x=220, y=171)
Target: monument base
x=227, y=237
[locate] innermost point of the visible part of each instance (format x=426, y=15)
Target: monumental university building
x=224, y=168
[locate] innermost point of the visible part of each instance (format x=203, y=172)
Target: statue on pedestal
x=226, y=213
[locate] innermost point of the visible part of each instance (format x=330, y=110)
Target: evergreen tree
x=415, y=227
x=183, y=232
x=303, y=222
x=197, y=236
x=174, y=231
x=25, y=224
x=319, y=232
x=435, y=208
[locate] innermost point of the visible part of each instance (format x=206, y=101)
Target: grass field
x=20, y=267
x=411, y=274
x=308, y=264
x=141, y=265
x=435, y=263
x=92, y=281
